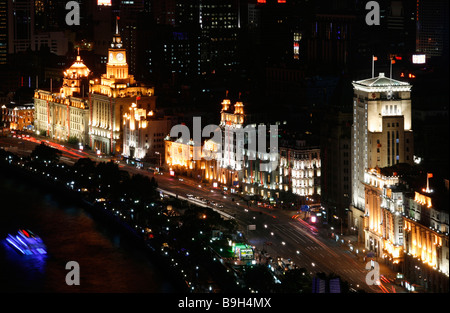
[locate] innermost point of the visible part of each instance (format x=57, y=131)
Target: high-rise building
x=20, y=25
x=212, y=24
x=432, y=27
x=381, y=133
x=3, y=31
x=335, y=157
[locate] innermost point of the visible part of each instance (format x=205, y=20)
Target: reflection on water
x=108, y=261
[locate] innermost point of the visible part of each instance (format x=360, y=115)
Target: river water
x=109, y=261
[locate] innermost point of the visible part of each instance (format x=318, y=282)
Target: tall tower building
x=113, y=95
x=381, y=133
x=20, y=25
x=117, y=66
x=3, y=31
x=432, y=27
x=231, y=121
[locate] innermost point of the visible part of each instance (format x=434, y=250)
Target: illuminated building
x=65, y=114
x=300, y=169
x=219, y=161
x=426, y=243
x=231, y=122
x=260, y=172
x=104, y=2
x=383, y=223
x=18, y=117
x=179, y=157
x=144, y=134
x=111, y=96
x=212, y=28
x=381, y=134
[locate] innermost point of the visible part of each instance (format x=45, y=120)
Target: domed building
x=75, y=78
x=64, y=115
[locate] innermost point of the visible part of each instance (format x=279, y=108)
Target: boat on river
x=26, y=242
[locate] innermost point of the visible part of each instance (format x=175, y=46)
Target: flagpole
x=373, y=66
x=390, y=74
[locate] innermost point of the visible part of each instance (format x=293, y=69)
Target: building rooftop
x=381, y=83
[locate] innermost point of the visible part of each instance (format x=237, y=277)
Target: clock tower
x=113, y=95
x=117, y=66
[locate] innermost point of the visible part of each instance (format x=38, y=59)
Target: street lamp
x=159, y=159
x=339, y=218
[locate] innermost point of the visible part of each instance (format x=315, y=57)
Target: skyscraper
x=381, y=134
x=20, y=25
x=432, y=27
x=3, y=31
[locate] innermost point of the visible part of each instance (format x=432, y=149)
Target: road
x=279, y=232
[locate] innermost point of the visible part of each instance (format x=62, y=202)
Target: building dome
x=77, y=70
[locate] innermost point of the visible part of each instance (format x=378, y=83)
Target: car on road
x=220, y=205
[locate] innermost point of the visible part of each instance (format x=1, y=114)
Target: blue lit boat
x=27, y=243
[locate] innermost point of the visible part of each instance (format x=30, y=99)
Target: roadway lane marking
x=292, y=233
x=315, y=240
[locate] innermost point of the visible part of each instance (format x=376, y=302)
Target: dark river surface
x=110, y=261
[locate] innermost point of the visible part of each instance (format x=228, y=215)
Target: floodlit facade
x=218, y=161
x=383, y=223
x=426, y=245
x=144, y=134
x=231, y=122
x=111, y=96
x=260, y=173
x=381, y=133
x=18, y=117
x=65, y=114
x=300, y=170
